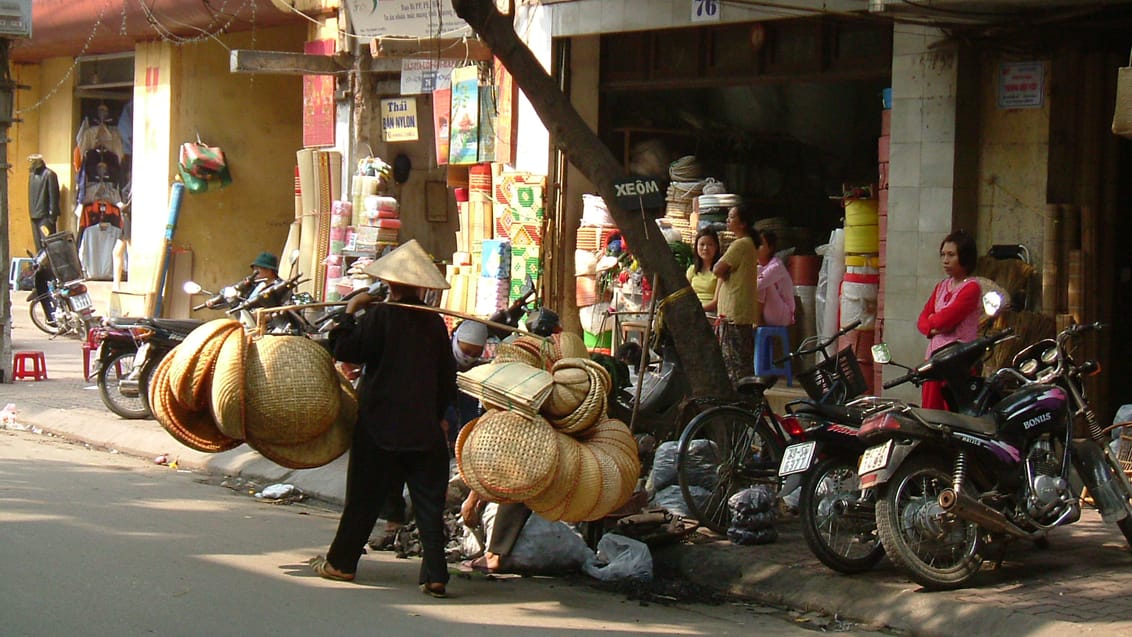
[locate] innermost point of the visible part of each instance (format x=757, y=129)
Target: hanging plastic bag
x=620, y=558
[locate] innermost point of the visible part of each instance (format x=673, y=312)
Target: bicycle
x=735, y=445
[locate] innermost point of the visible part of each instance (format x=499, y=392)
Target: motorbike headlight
x=1049, y=357
x=1028, y=367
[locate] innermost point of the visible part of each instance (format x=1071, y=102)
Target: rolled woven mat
x=190, y=370
x=586, y=494
x=512, y=457
x=323, y=449
x=227, y=397
x=194, y=429
x=551, y=503
x=291, y=388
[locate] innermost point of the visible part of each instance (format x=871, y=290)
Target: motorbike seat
x=837, y=413
x=755, y=384
x=978, y=424
x=179, y=326
x=122, y=322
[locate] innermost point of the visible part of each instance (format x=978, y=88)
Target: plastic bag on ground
x=663, y=472
x=620, y=558
x=672, y=499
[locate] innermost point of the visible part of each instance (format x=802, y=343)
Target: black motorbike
x=950, y=486
x=60, y=306
x=129, y=350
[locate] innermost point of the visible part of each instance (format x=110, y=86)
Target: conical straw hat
x=323, y=449
x=408, y=264
x=194, y=429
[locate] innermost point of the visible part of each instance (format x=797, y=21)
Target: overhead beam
x=284, y=63
x=447, y=48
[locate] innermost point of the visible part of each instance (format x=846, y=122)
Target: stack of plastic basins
x=860, y=286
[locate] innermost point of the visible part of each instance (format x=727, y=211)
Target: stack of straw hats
x=569, y=461
x=280, y=394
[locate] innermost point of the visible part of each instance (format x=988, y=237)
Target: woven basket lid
x=467, y=474
x=227, y=399
x=571, y=345
x=511, y=456
x=323, y=449
x=571, y=386
x=506, y=352
x=551, y=503
x=291, y=390
x=190, y=369
x=194, y=429
x=587, y=492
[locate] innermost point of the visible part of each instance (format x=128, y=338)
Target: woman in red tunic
x=952, y=311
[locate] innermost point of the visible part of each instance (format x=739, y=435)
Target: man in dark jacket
x=409, y=380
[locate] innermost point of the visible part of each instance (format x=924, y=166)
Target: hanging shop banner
x=399, y=119
x=486, y=149
x=318, y=100
x=507, y=94
x=419, y=76
x=416, y=18
x=1021, y=85
x=441, y=112
x=464, y=125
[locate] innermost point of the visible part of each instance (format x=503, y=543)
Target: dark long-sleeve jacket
x=410, y=374
x=43, y=194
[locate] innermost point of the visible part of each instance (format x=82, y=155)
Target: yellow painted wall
x=46, y=108
x=1013, y=169
x=256, y=120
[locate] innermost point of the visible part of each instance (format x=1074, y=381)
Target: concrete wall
x=921, y=184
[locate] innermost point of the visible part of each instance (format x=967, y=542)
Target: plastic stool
x=765, y=338
x=20, y=369
x=89, y=345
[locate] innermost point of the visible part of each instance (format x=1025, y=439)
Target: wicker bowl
x=467, y=474
x=512, y=457
x=593, y=407
x=551, y=503
x=191, y=369
x=506, y=352
x=586, y=494
x=612, y=484
x=194, y=429
x=291, y=390
x=227, y=399
x=570, y=345
x=570, y=389
x=323, y=449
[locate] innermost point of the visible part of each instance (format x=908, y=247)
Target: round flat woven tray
x=194, y=429
x=511, y=456
x=612, y=485
x=291, y=388
x=191, y=369
x=467, y=473
x=227, y=399
x=551, y=503
x=586, y=494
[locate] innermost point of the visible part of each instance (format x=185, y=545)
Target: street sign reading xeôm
x=637, y=193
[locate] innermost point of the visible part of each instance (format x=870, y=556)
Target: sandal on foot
x=435, y=590
x=325, y=569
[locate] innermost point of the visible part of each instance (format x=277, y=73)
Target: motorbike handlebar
x=899, y=381
x=820, y=345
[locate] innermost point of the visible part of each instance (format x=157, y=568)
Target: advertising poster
x=318, y=100
x=487, y=123
x=399, y=119
x=464, y=125
x=506, y=95
x=421, y=76
x=416, y=18
x=441, y=112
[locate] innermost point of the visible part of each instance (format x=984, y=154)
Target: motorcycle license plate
x=81, y=302
x=797, y=458
x=875, y=458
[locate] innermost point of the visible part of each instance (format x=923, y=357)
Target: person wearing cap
x=265, y=273
x=408, y=382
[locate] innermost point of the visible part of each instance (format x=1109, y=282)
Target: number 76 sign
x=705, y=10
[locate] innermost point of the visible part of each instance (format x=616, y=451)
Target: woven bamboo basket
x=612, y=485
x=593, y=407
x=586, y=494
x=467, y=474
x=191, y=369
x=227, y=400
x=551, y=503
x=291, y=390
x=194, y=429
x=323, y=449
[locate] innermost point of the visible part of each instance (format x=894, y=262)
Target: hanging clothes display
x=99, y=153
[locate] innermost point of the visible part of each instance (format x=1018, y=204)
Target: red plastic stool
x=93, y=338
x=20, y=369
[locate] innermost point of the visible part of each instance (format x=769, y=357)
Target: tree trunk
x=699, y=351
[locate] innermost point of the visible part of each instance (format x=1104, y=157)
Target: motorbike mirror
x=294, y=257
x=191, y=287
x=992, y=303
x=881, y=354
x=230, y=293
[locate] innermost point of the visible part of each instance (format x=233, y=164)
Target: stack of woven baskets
x=281, y=394
x=569, y=461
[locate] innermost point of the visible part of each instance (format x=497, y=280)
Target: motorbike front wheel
x=839, y=524
x=115, y=369
x=939, y=551
x=723, y=451
x=41, y=319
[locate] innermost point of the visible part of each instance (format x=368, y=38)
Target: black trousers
x=509, y=522
x=369, y=476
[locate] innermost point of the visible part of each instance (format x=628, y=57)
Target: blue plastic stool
x=765, y=338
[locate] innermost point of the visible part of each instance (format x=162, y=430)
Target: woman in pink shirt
x=776, y=290
x=952, y=311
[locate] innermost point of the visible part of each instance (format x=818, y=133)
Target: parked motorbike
x=949, y=486
x=59, y=307
x=129, y=350
x=243, y=308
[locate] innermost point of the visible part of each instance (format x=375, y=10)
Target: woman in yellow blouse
x=700, y=273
